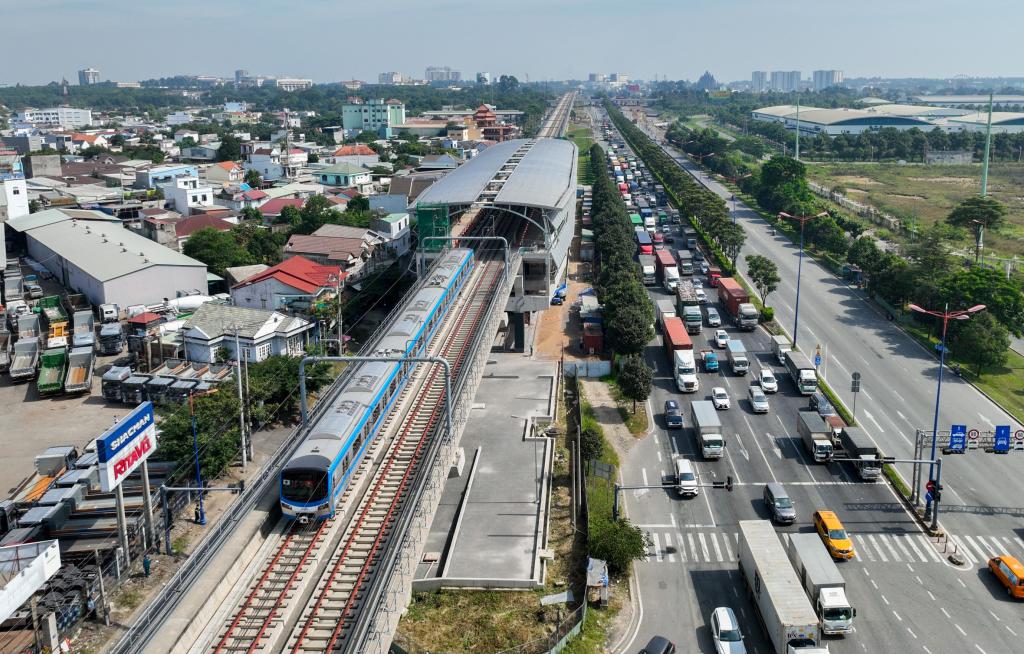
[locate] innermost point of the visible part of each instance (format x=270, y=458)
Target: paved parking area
x=29, y=424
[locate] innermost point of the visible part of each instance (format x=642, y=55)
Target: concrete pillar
x=518, y=331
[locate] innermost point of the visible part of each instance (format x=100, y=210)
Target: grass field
x=580, y=135
x=927, y=194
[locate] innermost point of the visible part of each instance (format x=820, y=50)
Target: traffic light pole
x=934, y=486
x=726, y=485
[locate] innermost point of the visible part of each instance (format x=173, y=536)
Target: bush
x=618, y=542
x=591, y=443
x=767, y=314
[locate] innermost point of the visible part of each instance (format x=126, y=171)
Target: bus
x=636, y=220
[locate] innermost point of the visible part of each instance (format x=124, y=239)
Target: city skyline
x=905, y=45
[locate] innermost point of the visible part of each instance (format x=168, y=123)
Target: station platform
x=490, y=528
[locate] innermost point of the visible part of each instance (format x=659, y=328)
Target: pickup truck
x=710, y=359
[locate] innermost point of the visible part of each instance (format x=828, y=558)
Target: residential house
x=233, y=197
x=344, y=174
x=238, y=274
x=444, y=162
x=292, y=284
x=186, y=227
x=411, y=185
x=225, y=172
x=203, y=152
x=271, y=209
x=273, y=165
x=186, y=193
x=183, y=134
x=160, y=176
x=388, y=204
x=260, y=334
x=394, y=229
x=350, y=253
x=81, y=141
x=356, y=155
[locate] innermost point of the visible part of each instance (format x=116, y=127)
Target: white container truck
x=671, y=279
x=785, y=611
x=815, y=434
x=781, y=345
x=647, y=270
x=804, y=375
x=666, y=309
x=823, y=583
x=707, y=429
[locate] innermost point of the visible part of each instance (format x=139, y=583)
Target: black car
x=673, y=419
x=659, y=645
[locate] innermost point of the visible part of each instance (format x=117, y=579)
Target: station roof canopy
x=521, y=172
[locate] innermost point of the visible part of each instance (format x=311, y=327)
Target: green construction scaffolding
x=432, y=220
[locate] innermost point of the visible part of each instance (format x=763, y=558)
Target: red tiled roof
x=228, y=165
x=350, y=150
x=275, y=206
x=144, y=318
x=329, y=246
x=299, y=273
x=254, y=194
x=88, y=138
x=188, y=226
x=296, y=151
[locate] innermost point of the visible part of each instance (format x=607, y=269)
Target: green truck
x=55, y=319
x=52, y=370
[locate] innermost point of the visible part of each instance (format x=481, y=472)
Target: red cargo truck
x=663, y=260
x=714, y=274
x=731, y=295
x=674, y=337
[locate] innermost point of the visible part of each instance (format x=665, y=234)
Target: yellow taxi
x=833, y=535
x=1010, y=574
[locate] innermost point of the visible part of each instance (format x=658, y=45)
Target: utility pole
x=241, y=401
x=988, y=145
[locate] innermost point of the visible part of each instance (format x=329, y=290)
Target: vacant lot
x=928, y=193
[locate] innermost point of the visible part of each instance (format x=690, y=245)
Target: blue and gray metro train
x=313, y=480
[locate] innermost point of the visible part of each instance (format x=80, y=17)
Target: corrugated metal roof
x=541, y=179
x=106, y=251
x=51, y=216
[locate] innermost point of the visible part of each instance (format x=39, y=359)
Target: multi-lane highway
x=908, y=597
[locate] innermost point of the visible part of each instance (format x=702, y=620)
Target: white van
x=686, y=478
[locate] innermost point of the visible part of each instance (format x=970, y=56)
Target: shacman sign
x=125, y=446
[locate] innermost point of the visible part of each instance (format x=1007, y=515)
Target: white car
x=758, y=400
x=767, y=381
x=720, y=398
x=697, y=283
x=725, y=632
x=714, y=320
x=721, y=338
x=702, y=297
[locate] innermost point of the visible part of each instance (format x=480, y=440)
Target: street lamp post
x=946, y=316
x=800, y=264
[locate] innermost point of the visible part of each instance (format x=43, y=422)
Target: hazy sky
x=331, y=40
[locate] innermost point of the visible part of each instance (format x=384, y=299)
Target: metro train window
x=303, y=486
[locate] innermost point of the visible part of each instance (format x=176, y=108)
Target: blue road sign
x=958, y=437
x=817, y=360
x=1002, y=443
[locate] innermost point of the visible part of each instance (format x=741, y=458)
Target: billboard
x=123, y=447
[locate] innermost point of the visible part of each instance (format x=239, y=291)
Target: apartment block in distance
x=824, y=79
x=373, y=115
x=65, y=117
x=759, y=81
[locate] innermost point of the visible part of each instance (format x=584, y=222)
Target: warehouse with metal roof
x=813, y=120
x=533, y=180
x=90, y=253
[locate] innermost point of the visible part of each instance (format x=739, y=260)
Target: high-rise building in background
x=618, y=78
x=293, y=84
x=392, y=78
x=759, y=81
x=483, y=78
x=442, y=74
x=598, y=77
x=785, y=80
x=824, y=79
x=240, y=75
x=88, y=76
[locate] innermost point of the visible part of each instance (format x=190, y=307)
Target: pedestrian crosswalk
x=697, y=546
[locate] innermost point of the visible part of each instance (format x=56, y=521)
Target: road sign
x=1002, y=443
x=1019, y=434
x=817, y=360
x=973, y=434
x=856, y=376
x=958, y=437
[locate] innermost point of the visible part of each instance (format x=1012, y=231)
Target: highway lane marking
x=880, y=552
x=991, y=550
x=959, y=629
x=711, y=514
x=1010, y=630
x=918, y=577
x=994, y=615
x=978, y=647
x=703, y=546
x=898, y=396
x=930, y=595
x=962, y=582
x=927, y=546
x=775, y=445
x=743, y=448
x=927, y=651
x=872, y=419
x=693, y=547
x=865, y=549
x=759, y=449
x=888, y=545
x=982, y=556
x=799, y=450
x=728, y=549
x=669, y=554
x=656, y=544
x=896, y=614
x=839, y=363
x=728, y=458
x=659, y=456
x=866, y=394
x=884, y=600
x=910, y=542
x=903, y=549
x=874, y=584
x=682, y=547
x=905, y=419
x=718, y=550
x=944, y=611
x=986, y=420
x=912, y=633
